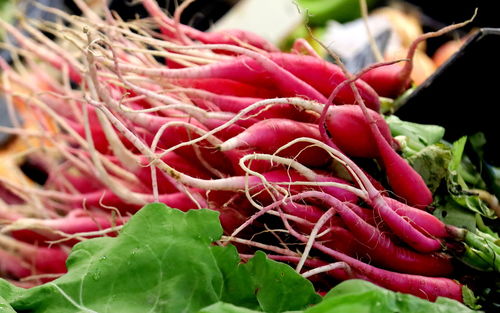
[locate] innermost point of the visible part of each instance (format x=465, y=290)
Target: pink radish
x=349, y=131
x=427, y=222
x=42, y=259
x=325, y=76
x=270, y=134
x=421, y=286
x=224, y=86
x=392, y=80
x=41, y=231
x=257, y=70
x=280, y=175
x=236, y=104
x=403, y=179
x=105, y=197
x=384, y=252
x=175, y=161
x=232, y=37
x=12, y=266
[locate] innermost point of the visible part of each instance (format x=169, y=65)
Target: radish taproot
x=392, y=80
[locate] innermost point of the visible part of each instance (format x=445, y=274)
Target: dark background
x=462, y=95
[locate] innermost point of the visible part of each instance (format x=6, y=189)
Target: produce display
x=161, y=168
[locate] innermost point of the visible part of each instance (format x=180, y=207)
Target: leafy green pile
x=447, y=165
x=457, y=174
x=165, y=260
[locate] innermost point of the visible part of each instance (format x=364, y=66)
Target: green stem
x=484, y=228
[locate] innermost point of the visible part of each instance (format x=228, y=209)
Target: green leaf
x=490, y=173
x=418, y=136
x=322, y=11
x=457, y=151
x=452, y=213
x=161, y=258
x=461, y=171
x=357, y=296
x=278, y=287
x=432, y=164
x=469, y=298
x=163, y=261
x=262, y=283
x=221, y=307
x=5, y=306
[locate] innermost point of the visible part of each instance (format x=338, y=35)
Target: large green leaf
x=357, y=296
x=164, y=261
x=261, y=283
x=418, y=136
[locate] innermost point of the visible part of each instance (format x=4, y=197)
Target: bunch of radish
x=276, y=142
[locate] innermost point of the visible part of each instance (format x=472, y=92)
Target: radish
x=413, y=189
x=421, y=286
x=404, y=180
x=104, y=197
x=224, y=86
x=261, y=71
x=38, y=231
x=237, y=37
x=427, y=222
x=50, y=260
x=13, y=266
x=379, y=247
x=232, y=37
x=81, y=183
x=350, y=132
x=325, y=76
x=270, y=134
x=236, y=104
x=286, y=176
x=339, y=239
x=175, y=161
x=308, y=212
x=391, y=80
